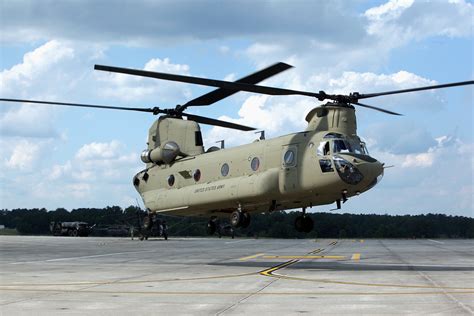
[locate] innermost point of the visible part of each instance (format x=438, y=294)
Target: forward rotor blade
x=376, y=108
x=210, y=121
x=454, y=84
x=81, y=105
x=208, y=82
x=221, y=93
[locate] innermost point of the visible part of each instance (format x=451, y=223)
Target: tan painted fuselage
x=221, y=181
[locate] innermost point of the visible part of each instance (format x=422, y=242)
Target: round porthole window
x=171, y=180
x=255, y=164
x=225, y=170
x=289, y=157
x=197, y=175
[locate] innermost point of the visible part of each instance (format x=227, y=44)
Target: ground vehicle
x=74, y=229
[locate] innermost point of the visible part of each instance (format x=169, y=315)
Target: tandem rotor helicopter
x=324, y=164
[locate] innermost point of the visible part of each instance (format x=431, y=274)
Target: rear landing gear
x=238, y=218
x=304, y=223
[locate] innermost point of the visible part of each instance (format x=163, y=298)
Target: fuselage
x=298, y=170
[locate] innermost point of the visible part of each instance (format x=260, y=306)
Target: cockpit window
x=323, y=148
x=340, y=146
x=348, y=146
x=333, y=135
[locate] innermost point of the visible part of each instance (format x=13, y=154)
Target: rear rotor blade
x=376, y=108
x=210, y=121
x=221, y=93
x=454, y=84
x=208, y=82
x=82, y=105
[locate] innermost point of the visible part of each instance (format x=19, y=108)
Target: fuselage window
x=171, y=180
x=255, y=164
x=225, y=170
x=197, y=175
x=289, y=158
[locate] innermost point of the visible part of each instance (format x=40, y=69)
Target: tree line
x=275, y=224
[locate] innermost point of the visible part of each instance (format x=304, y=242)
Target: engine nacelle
x=164, y=154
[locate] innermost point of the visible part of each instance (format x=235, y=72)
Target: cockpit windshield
x=349, y=146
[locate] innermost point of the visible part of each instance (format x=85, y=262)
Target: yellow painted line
x=356, y=256
x=251, y=257
x=361, y=240
x=304, y=257
x=316, y=251
x=268, y=272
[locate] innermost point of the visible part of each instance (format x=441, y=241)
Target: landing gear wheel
x=211, y=227
x=299, y=224
x=304, y=224
x=245, y=220
x=236, y=218
x=308, y=224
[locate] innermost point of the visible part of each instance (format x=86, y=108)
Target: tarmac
x=211, y=276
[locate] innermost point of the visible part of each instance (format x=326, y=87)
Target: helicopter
x=324, y=164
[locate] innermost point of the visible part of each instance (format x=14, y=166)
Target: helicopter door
x=289, y=171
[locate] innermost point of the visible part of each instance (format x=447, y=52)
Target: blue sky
x=60, y=157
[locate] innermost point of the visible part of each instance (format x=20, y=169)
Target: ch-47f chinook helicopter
x=324, y=164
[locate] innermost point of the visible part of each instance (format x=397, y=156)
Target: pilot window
x=323, y=149
x=326, y=165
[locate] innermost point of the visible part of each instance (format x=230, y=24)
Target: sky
x=55, y=157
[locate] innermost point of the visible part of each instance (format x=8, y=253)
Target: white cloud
x=99, y=150
x=419, y=160
x=399, y=21
x=23, y=156
x=36, y=64
x=134, y=88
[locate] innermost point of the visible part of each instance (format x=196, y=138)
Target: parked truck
x=74, y=229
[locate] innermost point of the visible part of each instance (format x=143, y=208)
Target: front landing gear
x=304, y=223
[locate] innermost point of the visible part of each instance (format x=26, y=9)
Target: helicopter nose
x=363, y=171
x=372, y=171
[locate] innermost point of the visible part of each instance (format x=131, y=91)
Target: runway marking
x=268, y=272
x=438, y=242
x=333, y=243
x=83, y=257
x=251, y=257
x=316, y=251
x=358, y=293
x=356, y=256
x=304, y=257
